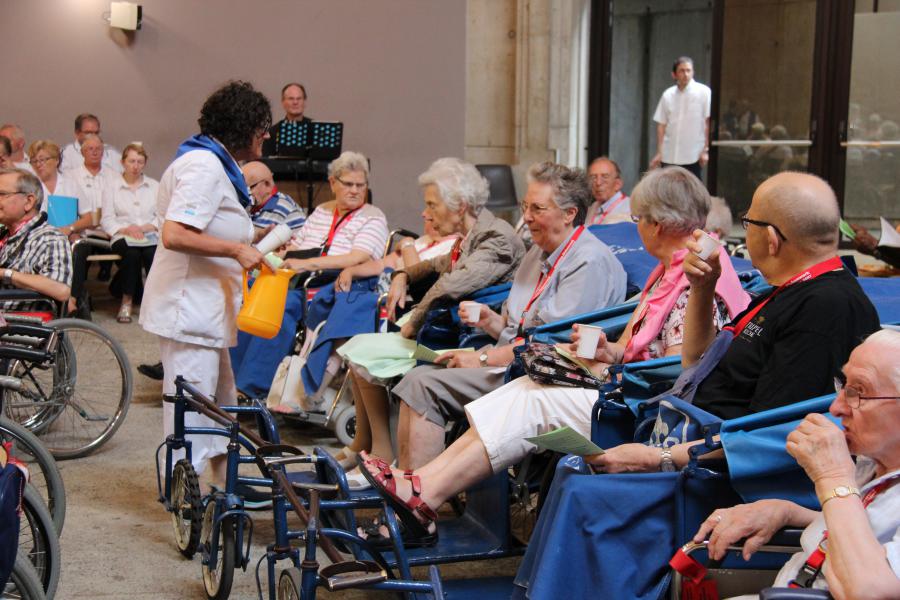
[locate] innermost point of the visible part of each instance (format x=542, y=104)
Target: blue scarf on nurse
x=205, y=142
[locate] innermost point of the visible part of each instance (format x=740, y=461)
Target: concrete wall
x=394, y=72
x=647, y=37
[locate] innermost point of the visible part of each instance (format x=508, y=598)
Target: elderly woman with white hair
x=340, y=233
x=487, y=253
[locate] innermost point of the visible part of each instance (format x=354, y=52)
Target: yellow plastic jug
x=263, y=308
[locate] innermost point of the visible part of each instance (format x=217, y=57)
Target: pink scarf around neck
x=672, y=282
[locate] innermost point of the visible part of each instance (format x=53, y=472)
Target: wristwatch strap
x=841, y=491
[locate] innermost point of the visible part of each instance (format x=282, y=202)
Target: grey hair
x=890, y=339
x=672, y=197
x=27, y=183
x=457, y=183
x=719, y=217
x=349, y=161
x=91, y=136
x=571, y=188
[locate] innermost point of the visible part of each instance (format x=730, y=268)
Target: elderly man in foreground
x=33, y=254
x=860, y=502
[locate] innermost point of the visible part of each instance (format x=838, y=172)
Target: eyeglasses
x=352, y=184
x=636, y=218
x=534, y=209
x=268, y=181
x=8, y=194
x=745, y=220
x=39, y=161
x=852, y=396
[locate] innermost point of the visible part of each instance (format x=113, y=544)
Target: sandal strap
x=416, y=504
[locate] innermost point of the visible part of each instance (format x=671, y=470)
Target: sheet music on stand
x=308, y=141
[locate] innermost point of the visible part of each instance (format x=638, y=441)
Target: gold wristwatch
x=841, y=491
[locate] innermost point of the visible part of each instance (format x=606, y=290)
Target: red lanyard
x=455, y=252
x=832, y=264
x=813, y=565
x=12, y=233
x=336, y=224
x=543, y=280
x=606, y=212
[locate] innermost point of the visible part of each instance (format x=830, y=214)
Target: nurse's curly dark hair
x=234, y=113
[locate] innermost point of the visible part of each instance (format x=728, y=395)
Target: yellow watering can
x=263, y=307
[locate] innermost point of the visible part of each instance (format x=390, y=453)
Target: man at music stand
x=293, y=99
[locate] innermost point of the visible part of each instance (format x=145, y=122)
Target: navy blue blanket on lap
x=345, y=314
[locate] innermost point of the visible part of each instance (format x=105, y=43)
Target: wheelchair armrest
x=16, y=295
x=789, y=536
x=793, y=594
x=320, y=278
x=101, y=243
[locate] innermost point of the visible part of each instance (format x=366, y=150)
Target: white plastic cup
x=275, y=239
x=472, y=310
x=708, y=245
x=588, y=340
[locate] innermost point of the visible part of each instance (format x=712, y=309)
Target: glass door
x=872, y=126
x=765, y=94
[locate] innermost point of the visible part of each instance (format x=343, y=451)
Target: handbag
x=286, y=390
x=543, y=364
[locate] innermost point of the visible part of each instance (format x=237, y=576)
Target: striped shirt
x=40, y=249
x=366, y=230
x=280, y=208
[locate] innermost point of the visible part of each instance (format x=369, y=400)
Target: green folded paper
x=566, y=441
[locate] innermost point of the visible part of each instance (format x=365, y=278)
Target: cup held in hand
x=472, y=311
x=589, y=339
x=708, y=245
x=275, y=239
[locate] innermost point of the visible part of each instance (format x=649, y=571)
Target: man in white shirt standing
x=610, y=205
x=682, y=121
x=87, y=124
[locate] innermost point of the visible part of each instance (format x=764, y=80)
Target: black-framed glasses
x=269, y=181
x=745, y=220
x=852, y=395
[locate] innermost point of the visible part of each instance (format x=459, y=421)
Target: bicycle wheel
x=289, y=584
x=24, y=583
x=38, y=540
x=42, y=468
x=79, y=413
x=217, y=577
x=187, y=509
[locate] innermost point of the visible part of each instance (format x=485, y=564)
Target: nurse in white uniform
x=193, y=291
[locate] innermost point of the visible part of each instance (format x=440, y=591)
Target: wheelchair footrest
x=352, y=573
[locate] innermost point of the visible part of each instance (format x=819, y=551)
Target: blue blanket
x=345, y=314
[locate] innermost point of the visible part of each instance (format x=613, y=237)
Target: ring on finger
x=717, y=518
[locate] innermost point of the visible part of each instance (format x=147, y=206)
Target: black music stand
x=309, y=141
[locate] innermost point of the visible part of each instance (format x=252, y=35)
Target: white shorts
x=523, y=408
x=209, y=370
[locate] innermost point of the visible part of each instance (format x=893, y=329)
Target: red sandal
x=415, y=513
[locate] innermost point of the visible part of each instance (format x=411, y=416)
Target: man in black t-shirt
x=790, y=343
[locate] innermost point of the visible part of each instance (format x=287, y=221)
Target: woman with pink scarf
x=668, y=205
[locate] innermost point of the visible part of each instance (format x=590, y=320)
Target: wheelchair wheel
x=217, y=577
x=187, y=509
x=38, y=540
x=344, y=425
x=42, y=469
x=24, y=583
x=529, y=482
x=77, y=415
x=289, y=584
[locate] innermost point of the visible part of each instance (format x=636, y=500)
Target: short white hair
x=457, y=183
x=672, y=197
x=349, y=161
x=889, y=339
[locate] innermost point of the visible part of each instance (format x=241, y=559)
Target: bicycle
x=42, y=391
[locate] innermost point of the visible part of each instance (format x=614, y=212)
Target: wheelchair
x=41, y=389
